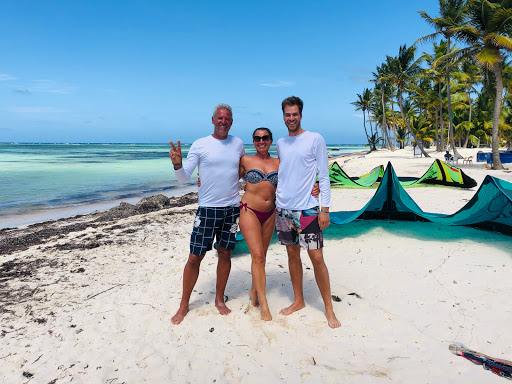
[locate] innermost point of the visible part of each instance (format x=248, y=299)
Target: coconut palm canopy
x=457, y=92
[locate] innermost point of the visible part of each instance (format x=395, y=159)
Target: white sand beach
x=93, y=304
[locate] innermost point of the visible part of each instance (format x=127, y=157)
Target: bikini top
x=255, y=176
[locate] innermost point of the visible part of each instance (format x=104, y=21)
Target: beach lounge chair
x=467, y=160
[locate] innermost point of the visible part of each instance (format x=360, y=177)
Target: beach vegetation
x=363, y=104
x=383, y=94
x=374, y=140
x=450, y=23
x=458, y=92
x=402, y=71
x=488, y=39
x=401, y=136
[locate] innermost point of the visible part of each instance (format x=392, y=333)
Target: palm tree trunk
x=372, y=143
x=384, y=123
x=365, y=131
x=496, y=117
x=393, y=116
x=371, y=128
x=448, y=92
x=469, y=130
x=441, y=116
x=438, y=147
x=407, y=125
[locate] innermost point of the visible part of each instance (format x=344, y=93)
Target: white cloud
x=35, y=110
x=6, y=77
x=361, y=79
x=358, y=115
x=278, y=84
x=22, y=91
x=49, y=86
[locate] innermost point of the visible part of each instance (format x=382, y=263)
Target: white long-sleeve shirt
x=301, y=158
x=218, y=164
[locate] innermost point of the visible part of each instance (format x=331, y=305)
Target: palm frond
x=429, y=20
x=461, y=97
x=502, y=18
x=467, y=34
x=488, y=56
x=473, y=140
x=466, y=125
x=499, y=41
x=458, y=52
x=427, y=39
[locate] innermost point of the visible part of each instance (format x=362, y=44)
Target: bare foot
x=221, y=306
x=254, y=297
x=292, y=308
x=265, y=313
x=332, y=320
x=179, y=316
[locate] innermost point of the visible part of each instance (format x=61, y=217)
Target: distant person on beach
x=299, y=219
x=447, y=156
x=217, y=157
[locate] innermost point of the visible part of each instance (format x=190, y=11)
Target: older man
x=217, y=157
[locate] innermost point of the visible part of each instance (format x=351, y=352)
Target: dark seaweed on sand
x=20, y=239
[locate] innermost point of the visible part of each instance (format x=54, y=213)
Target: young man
x=299, y=220
x=218, y=157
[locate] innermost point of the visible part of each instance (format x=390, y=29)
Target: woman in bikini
x=257, y=218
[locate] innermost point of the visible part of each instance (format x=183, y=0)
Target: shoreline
x=65, y=212
x=23, y=237
x=332, y=159
x=15, y=220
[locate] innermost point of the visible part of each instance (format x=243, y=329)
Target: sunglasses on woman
x=257, y=139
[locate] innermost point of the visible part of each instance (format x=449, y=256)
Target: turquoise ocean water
x=36, y=177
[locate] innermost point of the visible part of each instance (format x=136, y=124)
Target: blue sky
x=152, y=71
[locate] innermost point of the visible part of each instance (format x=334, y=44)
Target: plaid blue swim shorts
x=210, y=222
x=299, y=227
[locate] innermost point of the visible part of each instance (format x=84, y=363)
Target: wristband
x=177, y=165
x=324, y=211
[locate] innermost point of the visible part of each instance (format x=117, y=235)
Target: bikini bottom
x=262, y=216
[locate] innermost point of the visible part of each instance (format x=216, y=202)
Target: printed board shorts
x=210, y=222
x=299, y=227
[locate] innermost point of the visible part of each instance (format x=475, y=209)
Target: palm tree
x=401, y=135
x=507, y=83
x=491, y=27
x=363, y=103
x=450, y=23
x=470, y=75
x=401, y=71
x=483, y=116
x=438, y=77
x=383, y=89
x=430, y=100
x=507, y=132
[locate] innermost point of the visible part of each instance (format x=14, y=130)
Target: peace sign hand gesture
x=175, y=154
